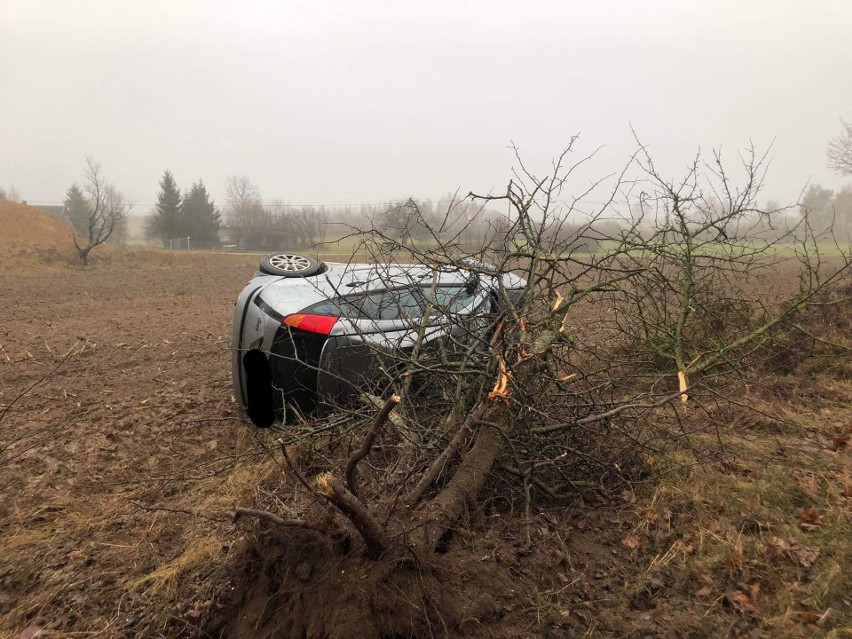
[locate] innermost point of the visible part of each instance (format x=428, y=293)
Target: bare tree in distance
x=292, y=227
x=10, y=194
x=275, y=226
x=251, y=224
x=824, y=209
x=310, y=224
x=840, y=150
x=108, y=208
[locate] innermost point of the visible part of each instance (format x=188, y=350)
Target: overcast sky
x=335, y=101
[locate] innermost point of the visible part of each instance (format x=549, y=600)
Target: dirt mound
x=30, y=235
x=26, y=226
x=301, y=586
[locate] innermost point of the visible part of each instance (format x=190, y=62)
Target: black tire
x=289, y=265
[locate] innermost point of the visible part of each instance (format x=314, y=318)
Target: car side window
x=452, y=299
x=405, y=303
x=396, y=304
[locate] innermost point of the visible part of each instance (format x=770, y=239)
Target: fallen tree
x=573, y=386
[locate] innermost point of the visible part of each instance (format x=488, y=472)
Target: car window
x=402, y=303
x=451, y=299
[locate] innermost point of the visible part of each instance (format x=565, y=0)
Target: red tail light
x=321, y=324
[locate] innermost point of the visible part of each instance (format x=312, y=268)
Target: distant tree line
x=248, y=222
x=462, y=222
x=409, y=222
x=826, y=209
x=275, y=226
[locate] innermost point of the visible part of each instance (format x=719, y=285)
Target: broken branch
x=368, y=442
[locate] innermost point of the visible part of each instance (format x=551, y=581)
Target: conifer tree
x=168, y=221
x=200, y=217
x=77, y=209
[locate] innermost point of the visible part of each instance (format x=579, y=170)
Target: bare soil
x=140, y=411
x=117, y=467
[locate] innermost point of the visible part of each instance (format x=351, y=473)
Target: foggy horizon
x=337, y=103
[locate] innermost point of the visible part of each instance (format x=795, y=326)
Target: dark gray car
x=312, y=333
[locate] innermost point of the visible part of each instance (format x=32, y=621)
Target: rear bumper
x=274, y=365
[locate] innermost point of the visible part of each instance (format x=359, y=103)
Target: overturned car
x=312, y=334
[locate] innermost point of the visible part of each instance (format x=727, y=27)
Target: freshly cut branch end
x=324, y=484
x=500, y=392
x=681, y=379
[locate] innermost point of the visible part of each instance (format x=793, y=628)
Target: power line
x=285, y=205
x=262, y=203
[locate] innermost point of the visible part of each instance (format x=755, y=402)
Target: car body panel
x=292, y=365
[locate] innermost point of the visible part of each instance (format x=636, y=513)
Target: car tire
x=289, y=265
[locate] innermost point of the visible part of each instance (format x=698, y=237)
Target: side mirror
x=471, y=284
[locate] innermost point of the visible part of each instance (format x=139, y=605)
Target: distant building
x=57, y=211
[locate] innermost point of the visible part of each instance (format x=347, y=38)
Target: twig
x=275, y=519
x=178, y=511
x=37, y=382
x=301, y=479
x=368, y=442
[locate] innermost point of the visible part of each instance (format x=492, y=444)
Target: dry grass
x=765, y=535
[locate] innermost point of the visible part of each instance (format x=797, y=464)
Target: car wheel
x=289, y=265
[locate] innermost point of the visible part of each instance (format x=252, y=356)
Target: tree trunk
x=462, y=491
x=356, y=511
x=440, y=463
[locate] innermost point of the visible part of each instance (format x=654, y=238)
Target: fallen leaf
x=703, y=592
x=741, y=602
x=686, y=549
x=795, y=552
x=631, y=540
x=809, y=519
x=197, y=609
x=777, y=547
x=839, y=442
x=30, y=632
x=809, y=617
x=804, y=556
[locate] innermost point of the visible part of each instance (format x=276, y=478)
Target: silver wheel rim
x=290, y=263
